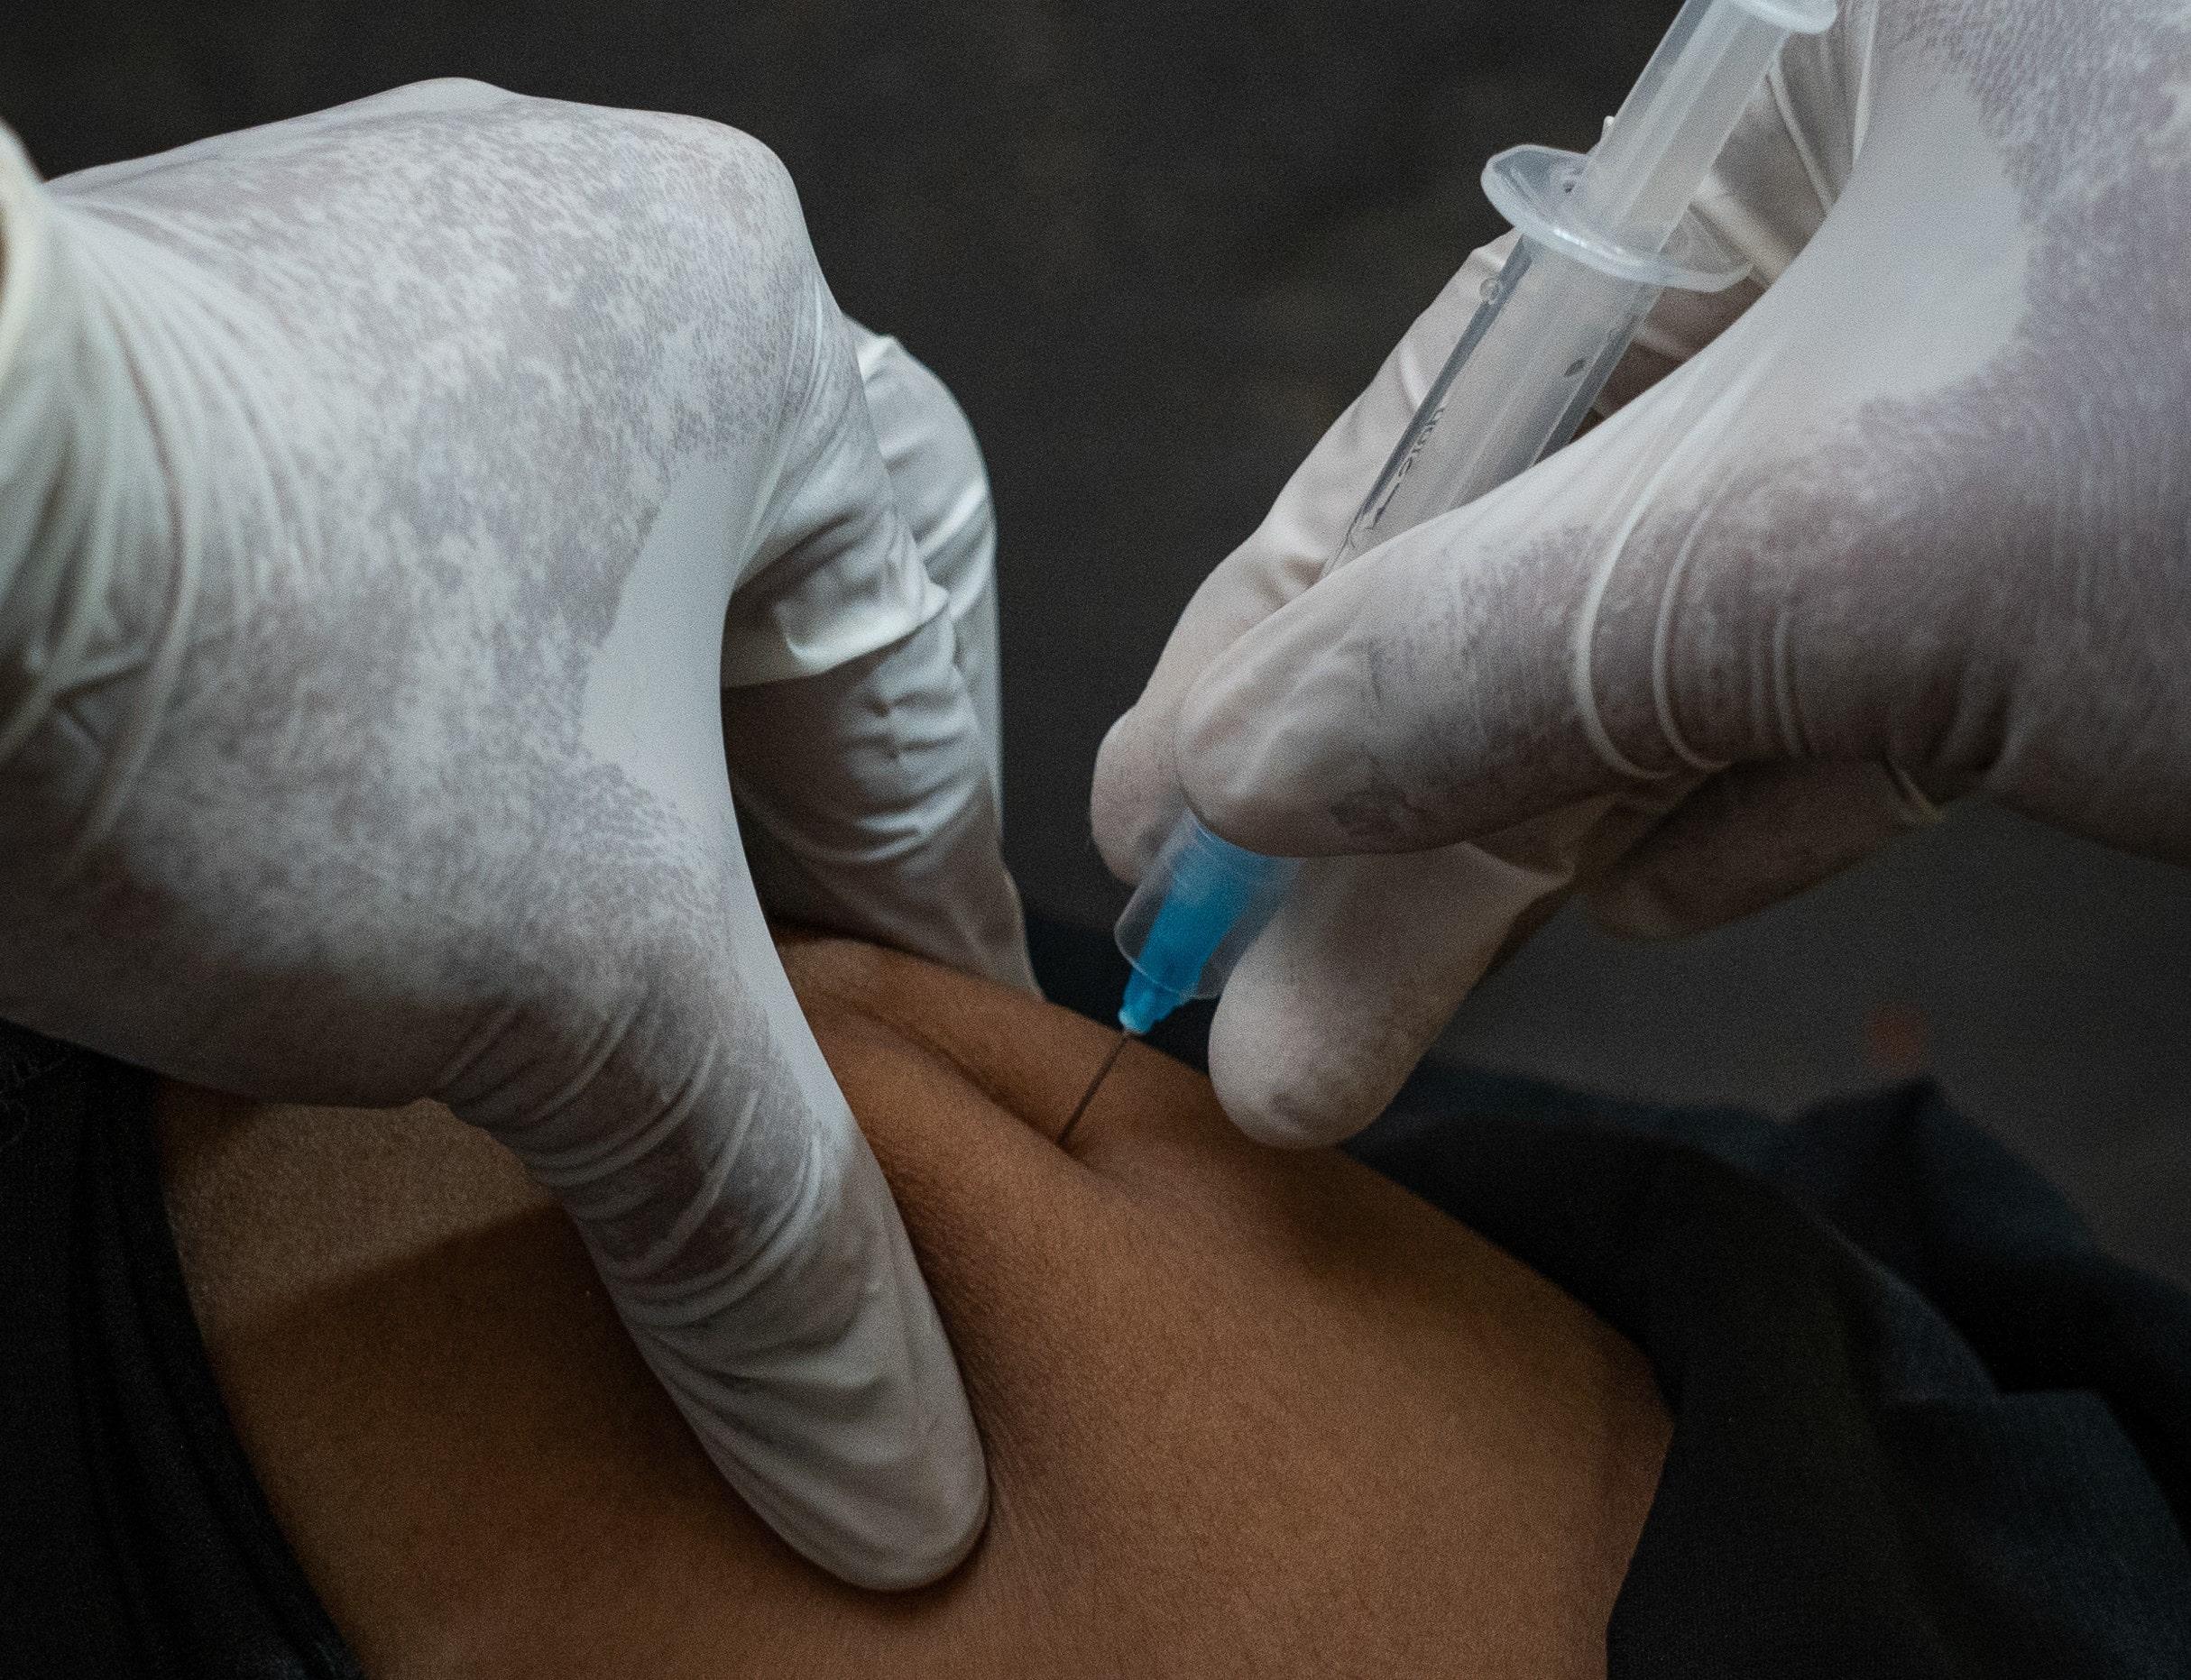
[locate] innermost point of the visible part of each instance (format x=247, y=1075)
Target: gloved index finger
x=1135, y=797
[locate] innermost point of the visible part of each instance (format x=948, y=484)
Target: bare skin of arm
x=1246, y=1412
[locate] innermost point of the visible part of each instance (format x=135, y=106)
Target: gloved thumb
x=747, y=1238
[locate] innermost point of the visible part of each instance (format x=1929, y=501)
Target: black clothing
x=133, y=1539
x=1922, y=1426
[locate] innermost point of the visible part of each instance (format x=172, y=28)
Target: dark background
x=1155, y=248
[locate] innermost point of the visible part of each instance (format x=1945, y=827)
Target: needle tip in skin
x=1102, y=1072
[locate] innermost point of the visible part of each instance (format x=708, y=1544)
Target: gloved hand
x=400, y=509
x=1909, y=522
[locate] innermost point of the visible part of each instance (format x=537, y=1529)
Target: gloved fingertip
x=1273, y=1086
x=1133, y=800
x=906, y=1563
x=830, y=1399
x=1280, y=1125
x=884, y=1500
x=1264, y=739
x=1214, y=733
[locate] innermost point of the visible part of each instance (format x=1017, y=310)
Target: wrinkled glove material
x=1902, y=517
x=427, y=528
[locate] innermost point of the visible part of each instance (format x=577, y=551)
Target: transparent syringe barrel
x=1675, y=121
x=1544, y=341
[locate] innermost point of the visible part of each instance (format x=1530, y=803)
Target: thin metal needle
x=1094, y=1084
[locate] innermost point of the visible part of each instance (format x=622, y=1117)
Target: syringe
x=1602, y=236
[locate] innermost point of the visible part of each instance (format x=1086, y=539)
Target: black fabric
x=1922, y=1426
x=133, y=1538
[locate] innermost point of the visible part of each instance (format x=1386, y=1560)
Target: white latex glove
x=395, y=506
x=1915, y=523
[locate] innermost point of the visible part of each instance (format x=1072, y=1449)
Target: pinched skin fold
x=1247, y=1413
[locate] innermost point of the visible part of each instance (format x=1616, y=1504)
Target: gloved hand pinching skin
x=395, y=503
x=1902, y=518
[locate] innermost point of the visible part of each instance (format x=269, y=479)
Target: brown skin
x=1246, y=1412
